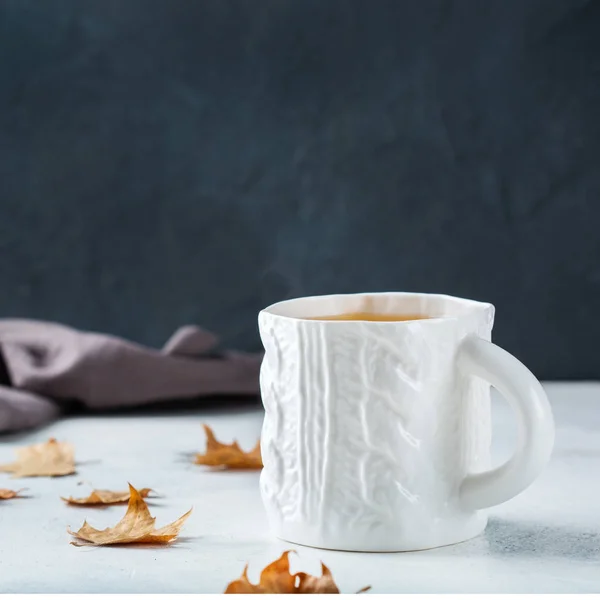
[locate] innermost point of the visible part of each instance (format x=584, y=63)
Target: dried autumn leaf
x=277, y=579
x=49, y=459
x=229, y=456
x=104, y=497
x=9, y=494
x=136, y=527
x=274, y=579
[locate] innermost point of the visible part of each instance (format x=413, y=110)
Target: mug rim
x=470, y=307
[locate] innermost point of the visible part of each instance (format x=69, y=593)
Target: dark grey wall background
x=174, y=161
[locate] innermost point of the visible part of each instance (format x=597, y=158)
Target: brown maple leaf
x=49, y=459
x=9, y=494
x=104, y=497
x=228, y=456
x=277, y=579
x=136, y=527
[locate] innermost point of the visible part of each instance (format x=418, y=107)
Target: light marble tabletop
x=545, y=540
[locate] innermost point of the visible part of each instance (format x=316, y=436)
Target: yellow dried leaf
x=9, y=494
x=136, y=527
x=103, y=497
x=228, y=456
x=277, y=579
x=49, y=459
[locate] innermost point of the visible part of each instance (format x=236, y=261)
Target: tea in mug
x=368, y=316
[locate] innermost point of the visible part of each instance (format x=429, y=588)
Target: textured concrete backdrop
x=164, y=162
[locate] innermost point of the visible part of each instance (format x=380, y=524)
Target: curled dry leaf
x=277, y=579
x=228, y=456
x=104, y=497
x=136, y=527
x=8, y=494
x=49, y=459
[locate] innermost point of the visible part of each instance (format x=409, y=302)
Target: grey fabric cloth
x=46, y=363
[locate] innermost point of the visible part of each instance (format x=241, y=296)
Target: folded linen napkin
x=42, y=364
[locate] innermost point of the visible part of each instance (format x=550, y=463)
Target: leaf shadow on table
x=507, y=538
x=182, y=542
x=112, y=505
x=185, y=456
x=85, y=463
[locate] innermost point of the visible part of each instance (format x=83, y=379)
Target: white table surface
x=546, y=540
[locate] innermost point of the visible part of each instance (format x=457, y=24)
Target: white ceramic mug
x=377, y=433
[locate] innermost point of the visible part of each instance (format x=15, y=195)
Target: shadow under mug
x=377, y=433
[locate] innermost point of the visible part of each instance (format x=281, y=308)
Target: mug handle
x=534, y=419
